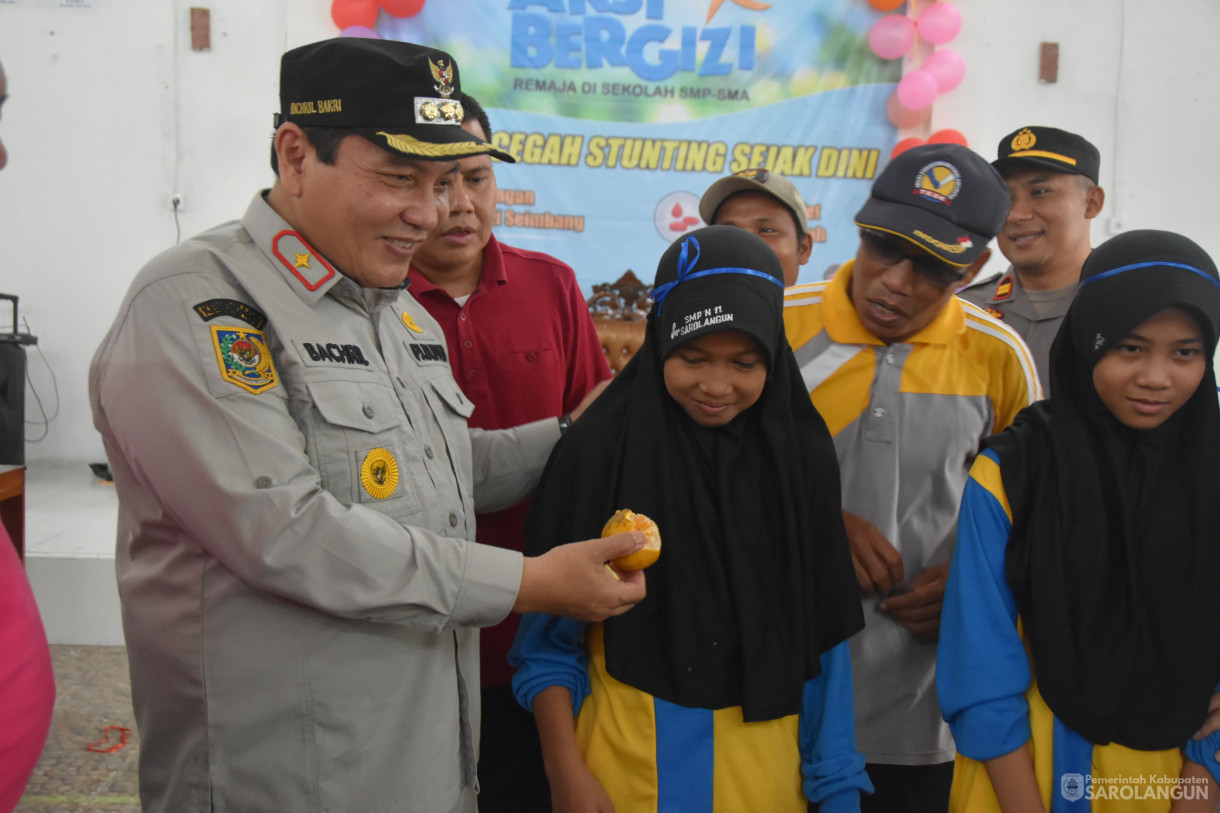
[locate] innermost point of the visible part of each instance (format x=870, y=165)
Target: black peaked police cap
x=1050, y=148
x=401, y=96
x=944, y=198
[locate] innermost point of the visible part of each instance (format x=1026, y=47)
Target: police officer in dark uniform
x=1052, y=175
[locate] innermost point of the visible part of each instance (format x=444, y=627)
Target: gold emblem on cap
x=1024, y=140
x=442, y=72
x=410, y=323
x=379, y=473
x=437, y=111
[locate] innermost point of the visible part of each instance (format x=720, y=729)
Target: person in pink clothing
x=27, y=685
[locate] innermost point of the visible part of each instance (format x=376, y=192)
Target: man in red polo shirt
x=522, y=346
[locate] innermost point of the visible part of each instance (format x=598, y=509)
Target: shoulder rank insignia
x=1004, y=289
x=379, y=473
x=995, y=313
x=244, y=358
x=410, y=322
x=299, y=257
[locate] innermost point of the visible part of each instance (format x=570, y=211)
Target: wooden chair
x=619, y=310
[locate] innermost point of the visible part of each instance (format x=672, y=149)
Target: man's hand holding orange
x=627, y=520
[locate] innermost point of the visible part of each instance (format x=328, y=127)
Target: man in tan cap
x=297, y=483
x=766, y=204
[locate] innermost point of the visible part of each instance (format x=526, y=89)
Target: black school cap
x=944, y=198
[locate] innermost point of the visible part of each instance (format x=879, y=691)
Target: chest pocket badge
x=244, y=358
x=379, y=473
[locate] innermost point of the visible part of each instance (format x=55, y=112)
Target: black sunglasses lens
x=890, y=252
x=883, y=248
x=939, y=274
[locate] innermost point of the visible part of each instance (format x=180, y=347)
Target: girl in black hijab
x=732, y=676
x=1089, y=549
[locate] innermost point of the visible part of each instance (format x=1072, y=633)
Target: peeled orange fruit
x=624, y=520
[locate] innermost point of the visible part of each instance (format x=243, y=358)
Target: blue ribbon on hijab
x=686, y=264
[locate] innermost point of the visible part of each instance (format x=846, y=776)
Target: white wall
x=110, y=112
x=1138, y=79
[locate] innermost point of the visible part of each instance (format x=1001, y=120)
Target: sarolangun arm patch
x=214, y=308
x=244, y=358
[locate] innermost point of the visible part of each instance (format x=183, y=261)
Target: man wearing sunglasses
x=909, y=379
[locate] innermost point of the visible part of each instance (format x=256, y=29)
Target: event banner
x=622, y=112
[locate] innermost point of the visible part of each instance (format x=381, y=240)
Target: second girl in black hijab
x=1089, y=538
x=729, y=686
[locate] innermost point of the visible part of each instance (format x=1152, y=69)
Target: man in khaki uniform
x=297, y=483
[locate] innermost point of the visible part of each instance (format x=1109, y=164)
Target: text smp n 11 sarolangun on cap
x=700, y=319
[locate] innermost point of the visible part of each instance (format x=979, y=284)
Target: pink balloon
x=891, y=36
x=360, y=31
x=900, y=116
x=917, y=90
x=939, y=23
x=947, y=68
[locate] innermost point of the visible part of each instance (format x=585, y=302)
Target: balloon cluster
x=893, y=36
x=356, y=18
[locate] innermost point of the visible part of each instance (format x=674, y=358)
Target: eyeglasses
x=889, y=251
